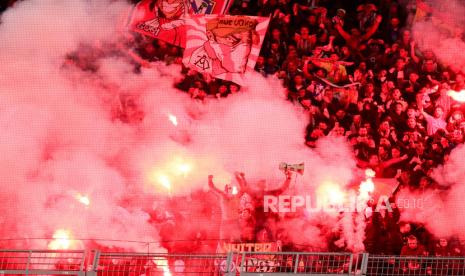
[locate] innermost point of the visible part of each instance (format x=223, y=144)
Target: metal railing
x=97, y=263
x=255, y=263
x=400, y=265
x=69, y=262
x=114, y=264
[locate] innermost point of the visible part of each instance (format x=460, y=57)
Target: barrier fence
x=396, y=266
x=114, y=264
x=97, y=263
x=43, y=262
x=292, y=263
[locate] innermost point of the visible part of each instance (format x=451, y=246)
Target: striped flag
x=225, y=47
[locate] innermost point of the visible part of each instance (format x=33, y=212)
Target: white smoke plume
x=443, y=32
x=441, y=211
x=59, y=141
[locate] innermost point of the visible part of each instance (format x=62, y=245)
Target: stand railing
x=97, y=263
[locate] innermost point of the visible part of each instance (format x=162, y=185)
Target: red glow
x=61, y=240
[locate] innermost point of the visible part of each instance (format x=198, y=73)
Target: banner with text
x=224, y=47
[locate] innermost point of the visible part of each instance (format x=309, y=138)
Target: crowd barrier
x=97, y=263
x=43, y=262
x=398, y=265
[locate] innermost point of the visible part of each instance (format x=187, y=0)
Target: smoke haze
x=59, y=141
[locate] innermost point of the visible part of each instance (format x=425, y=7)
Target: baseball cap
x=341, y=11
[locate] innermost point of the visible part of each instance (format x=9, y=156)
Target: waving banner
x=161, y=19
x=265, y=262
x=224, y=47
x=165, y=19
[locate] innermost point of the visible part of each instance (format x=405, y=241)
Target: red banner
x=384, y=187
x=162, y=19
x=225, y=47
x=165, y=19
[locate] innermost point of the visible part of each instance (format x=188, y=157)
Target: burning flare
x=367, y=186
x=457, y=96
x=84, y=199
x=61, y=240
x=173, y=119
x=331, y=193
x=184, y=168
x=369, y=173
x=165, y=181
x=163, y=264
x=166, y=271
x=171, y=176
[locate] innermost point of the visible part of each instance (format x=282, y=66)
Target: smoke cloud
x=442, y=33
x=60, y=142
x=446, y=207
x=441, y=211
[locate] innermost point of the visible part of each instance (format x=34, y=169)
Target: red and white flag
x=223, y=46
x=161, y=19
x=165, y=19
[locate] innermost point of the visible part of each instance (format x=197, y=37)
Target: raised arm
x=427, y=117
x=393, y=161
x=305, y=70
x=344, y=63
x=284, y=186
x=342, y=32
x=372, y=30
x=212, y=187
x=420, y=105
x=240, y=177
x=412, y=53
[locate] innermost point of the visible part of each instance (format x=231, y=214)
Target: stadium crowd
x=355, y=69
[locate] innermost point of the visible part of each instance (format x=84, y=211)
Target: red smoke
x=60, y=142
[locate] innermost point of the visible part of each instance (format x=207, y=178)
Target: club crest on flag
x=203, y=6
